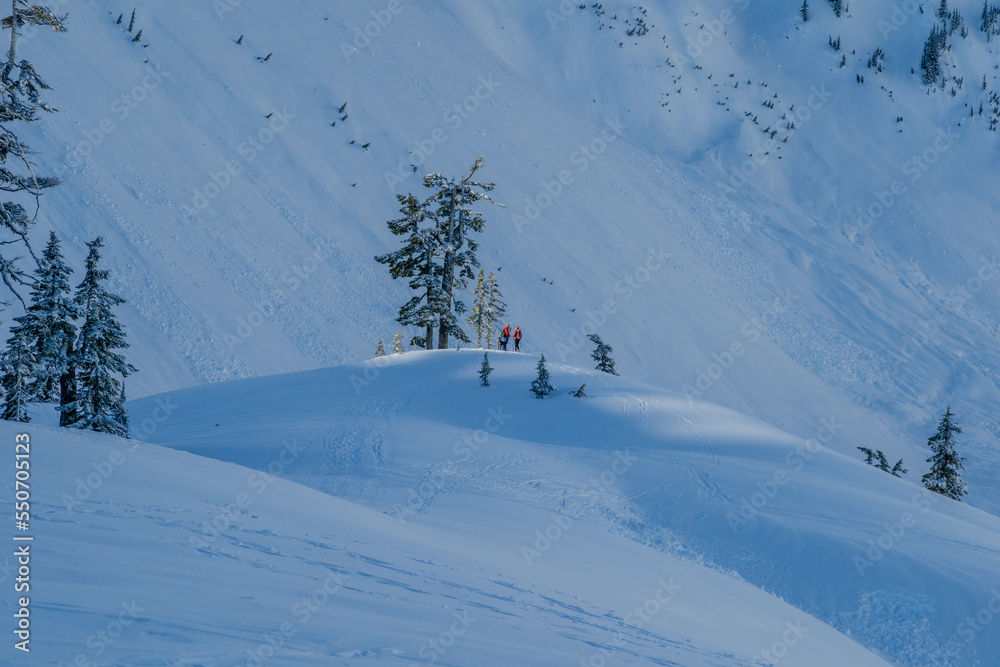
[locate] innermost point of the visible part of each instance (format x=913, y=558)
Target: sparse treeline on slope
x=48, y=360
x=944, y=476
x=438, y=254
x=877, y=459
x=20, y=101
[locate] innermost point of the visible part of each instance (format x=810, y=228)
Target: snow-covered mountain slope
x=588, y=502
x=144, y=555
x=242, y=222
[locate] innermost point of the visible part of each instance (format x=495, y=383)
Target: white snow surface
x=879, y=323
x=718, y=265
x=413, y=494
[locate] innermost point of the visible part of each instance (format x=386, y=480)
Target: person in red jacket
x=517, y=339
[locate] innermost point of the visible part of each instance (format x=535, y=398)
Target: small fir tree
x=98, y=364
x=488, y=308
x=18, y=363
x=869, y=455
x=805, y=10
x=602, y=355
x=48, y=323
x=930, y=58
x=484, y=370
x=120, y=414
x=477, y=316
x=540, y=386
x=579, y=392
x=397, y=344
x=877, y=459
x=946, y=465
x=379, y=351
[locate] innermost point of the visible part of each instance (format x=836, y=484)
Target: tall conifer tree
x=99, y=400
x=944, y=476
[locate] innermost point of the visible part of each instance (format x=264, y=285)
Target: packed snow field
x=751, y=214
x=242, y=211
x=399, y=513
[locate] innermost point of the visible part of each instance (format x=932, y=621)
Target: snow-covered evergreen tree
x=457, y=221
x=20, y=101
x=484, y=370
x=379, y=351
x=930, y=59
x=877, y=459
x=540, y=386
x=477, y=315
x=418, y=260
x=120, y=414
x=579, y=393
x=18, y=364
x=488, y=308
x=804, y=11
x=945, y=476
x=98, y=404
x=48, y=323
x=397, y=344
x=602, y=355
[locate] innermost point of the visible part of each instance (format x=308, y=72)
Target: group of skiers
x=505, y=338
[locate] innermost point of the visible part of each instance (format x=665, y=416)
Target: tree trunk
x=67, y=392
x=13, y=38
x=448, y=281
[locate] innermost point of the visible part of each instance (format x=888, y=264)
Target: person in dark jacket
x=517, y=339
